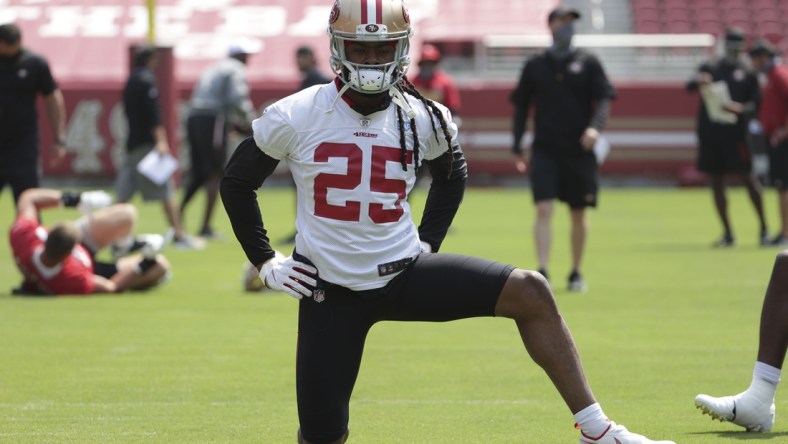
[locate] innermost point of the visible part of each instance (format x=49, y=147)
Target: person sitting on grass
x=61, y=260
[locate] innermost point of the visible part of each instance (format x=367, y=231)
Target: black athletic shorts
x=569, y=175
x=105, y=269
x=20, y=178
x=778, y=165
x=331, y=333
x=724, y=151
x=208, y=142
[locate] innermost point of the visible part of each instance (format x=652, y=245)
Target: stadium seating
x=757, y=18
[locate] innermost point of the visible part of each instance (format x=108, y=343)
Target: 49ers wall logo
x=334, y=12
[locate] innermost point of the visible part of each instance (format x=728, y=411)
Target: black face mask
x=8, y=61
x=732, y=50
x=562, y=36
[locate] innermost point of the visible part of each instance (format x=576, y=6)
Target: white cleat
x=745, y=411
x=618, y=434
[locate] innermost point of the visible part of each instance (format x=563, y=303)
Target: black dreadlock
x=405, y=85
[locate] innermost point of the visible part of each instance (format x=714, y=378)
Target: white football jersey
x=352, y=218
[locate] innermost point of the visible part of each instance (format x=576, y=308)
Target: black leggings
x=331, y=333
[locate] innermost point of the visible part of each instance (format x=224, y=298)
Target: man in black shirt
x=722, y=146
x=307, y=65
x=571, y=95
x=24, y=75
x=146, y=132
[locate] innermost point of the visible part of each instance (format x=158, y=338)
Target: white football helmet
x=369, y=21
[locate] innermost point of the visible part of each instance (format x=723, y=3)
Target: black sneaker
x=543, y=272
x=725, y=241
x=577, y=283
x=780, y=241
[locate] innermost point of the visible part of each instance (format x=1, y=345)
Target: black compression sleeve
x=444, y=198
x=246, y=171
x=599, y=119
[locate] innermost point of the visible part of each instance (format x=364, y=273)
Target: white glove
x=93, y=200
x=425, y=247
x=288, y=275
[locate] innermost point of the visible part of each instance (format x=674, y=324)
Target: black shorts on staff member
x=570, y=176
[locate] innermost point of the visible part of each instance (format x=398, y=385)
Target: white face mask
x=370, y=80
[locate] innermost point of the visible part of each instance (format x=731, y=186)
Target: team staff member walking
x=571, y=95
x=220, y=100
x=146, y=132
x=23, y=76
x=722, y=146
x=353, y=147
x=773, y=115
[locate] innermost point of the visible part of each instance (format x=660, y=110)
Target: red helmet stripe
x=364, y=11
x=379, y=9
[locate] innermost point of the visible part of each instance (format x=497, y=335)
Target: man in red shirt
x=773, y=116
x=61, y=260
x=434, y=83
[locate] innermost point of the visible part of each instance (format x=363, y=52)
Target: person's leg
x=331, y=337
x=212, y=193
x=526, y=298
x=543, y=233
x=199, y=130
x=774, y=315
x=129, y=278
x=108, y=225
x=544, y=187
x=579, y=235
x=721, y=205
x=444, y=287
x=755, y=192
x=782, y=196
x=754, y=409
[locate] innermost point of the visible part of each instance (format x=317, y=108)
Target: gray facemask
x=562, y=36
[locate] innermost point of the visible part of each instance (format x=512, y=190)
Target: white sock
x=592, y=420
x=764, y=383
x=767, y=372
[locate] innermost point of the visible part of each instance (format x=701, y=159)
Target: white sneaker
x=745, y=411
x=250, y=278
x=618, y=434
x=188, y=243
x=152, y=244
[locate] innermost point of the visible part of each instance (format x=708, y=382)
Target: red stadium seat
x=648, y=27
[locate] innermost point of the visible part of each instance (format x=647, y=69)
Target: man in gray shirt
x=220, y=101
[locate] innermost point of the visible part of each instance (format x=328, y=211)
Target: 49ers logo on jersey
x=334, y=12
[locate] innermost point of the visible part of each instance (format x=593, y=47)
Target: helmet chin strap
x=402, y=102
x=343, y=90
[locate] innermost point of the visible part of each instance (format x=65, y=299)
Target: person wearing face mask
x=773, y=115
x=23, y=76
x=722, y=147
x=571, y=95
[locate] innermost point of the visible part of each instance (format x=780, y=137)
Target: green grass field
x=197, y=360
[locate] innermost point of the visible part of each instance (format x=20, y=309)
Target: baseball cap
x=562, y=11
x=761, y=47
x=734, y=34
x=243, y=47
x=429, y=53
